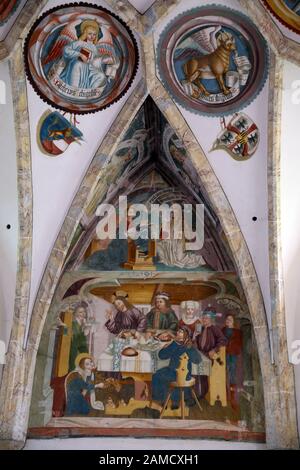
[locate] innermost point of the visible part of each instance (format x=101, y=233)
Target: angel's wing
x=206, y=38
x=105, y=44
x=67, y=35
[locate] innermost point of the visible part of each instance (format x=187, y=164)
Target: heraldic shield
x=240, y=137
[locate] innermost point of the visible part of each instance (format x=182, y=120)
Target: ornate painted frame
x=175, y=30
x=35, y=44
x=284, y=14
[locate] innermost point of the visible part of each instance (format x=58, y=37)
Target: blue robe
x=163, y=377
x=78, y=73
x=77, y=404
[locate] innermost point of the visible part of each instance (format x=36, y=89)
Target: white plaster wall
x=8, y=209
x=244, y=183
x=290, y=210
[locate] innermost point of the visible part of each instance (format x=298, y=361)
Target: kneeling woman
x=80, y=388
x=163, y=377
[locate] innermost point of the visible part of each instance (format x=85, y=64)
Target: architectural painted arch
x=278, y=390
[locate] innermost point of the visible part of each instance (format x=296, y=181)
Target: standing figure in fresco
x=163, y=377
x=233, y=353
x=71, y=340
x=162, y=316
x=128, y=318
x=171, y=251
x=80, y=331
x=80, y=388
x=209, y=342
x=190, y=316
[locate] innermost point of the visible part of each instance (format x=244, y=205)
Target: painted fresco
x=55, y=133
x=286, y=11
x=213, y=60
x=80, y=58
x=118, y=352
x=7, y=9
x=142, y=334
x=159, y=172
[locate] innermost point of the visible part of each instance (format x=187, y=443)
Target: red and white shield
x=240, y=137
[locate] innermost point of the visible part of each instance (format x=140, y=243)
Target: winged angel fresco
x=209, y=52
x=82, y=60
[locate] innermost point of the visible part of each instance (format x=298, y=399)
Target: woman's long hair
x=127, y=304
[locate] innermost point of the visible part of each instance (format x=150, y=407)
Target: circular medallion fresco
x=287, y=12
x=80, y=57
x=213, y=60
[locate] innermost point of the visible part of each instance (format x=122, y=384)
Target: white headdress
x=189, y=304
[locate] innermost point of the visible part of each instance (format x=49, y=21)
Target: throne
x=138, y=259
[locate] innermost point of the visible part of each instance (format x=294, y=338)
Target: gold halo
x=82, y=356
x=119, y=293
x=89, y=24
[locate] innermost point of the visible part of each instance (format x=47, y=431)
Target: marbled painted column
x=284, y=370
x=12, y=386
x=126, y=11
x=158, y=13
x=278, y=413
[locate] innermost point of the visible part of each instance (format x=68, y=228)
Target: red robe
x=191, y=326
x=210, y=338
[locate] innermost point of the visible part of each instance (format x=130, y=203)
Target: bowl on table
x=129, y=352
x=164, y=337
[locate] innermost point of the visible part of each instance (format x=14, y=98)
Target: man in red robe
x=233, y=357
x=209, y=342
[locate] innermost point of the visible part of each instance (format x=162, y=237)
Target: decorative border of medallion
x=70, y=71
x=199, y=35
x=285, y=15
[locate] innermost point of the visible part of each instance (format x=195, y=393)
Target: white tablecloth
x=112, y=360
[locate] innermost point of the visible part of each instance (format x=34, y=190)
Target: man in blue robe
x=163, y=377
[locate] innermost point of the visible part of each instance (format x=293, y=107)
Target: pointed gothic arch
x=221, y=207
x=284, y=437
